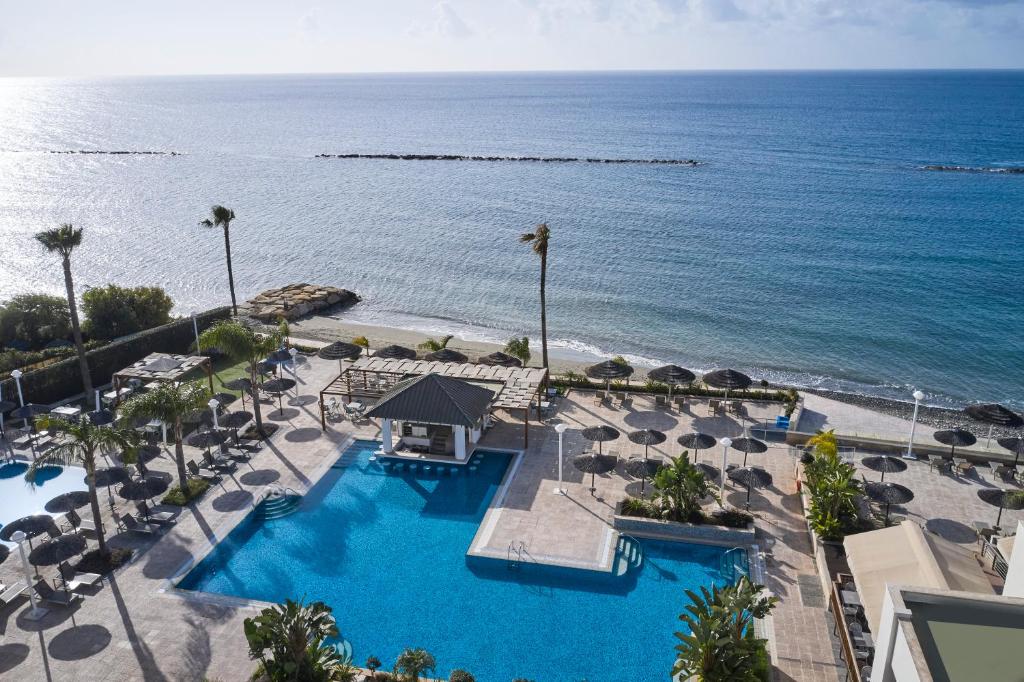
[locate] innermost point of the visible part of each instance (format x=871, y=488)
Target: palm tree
x=434, y=345
x=412, y=663
x=296, y=636
x=519, y=348
x=242, y=343
x=78, y=443
x=680, y=487
x=221, y=216
x=64, y=240
x=538, y=241
x=169, y=402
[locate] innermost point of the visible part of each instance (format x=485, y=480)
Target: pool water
x=18, y=498
x=387, y=551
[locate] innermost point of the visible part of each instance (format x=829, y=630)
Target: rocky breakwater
x=296, y=300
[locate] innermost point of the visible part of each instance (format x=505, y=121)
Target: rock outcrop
x=296, y=300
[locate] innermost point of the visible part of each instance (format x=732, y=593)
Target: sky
x=104, y=37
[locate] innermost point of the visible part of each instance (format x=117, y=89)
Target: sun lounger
x=962, y=465
x=161, y=518
x=58, y=597
x=941, y=464
x=209, y=476
x=713, y=406
x=218, y=463
x=74, y=580
x=660, y=401
x=599, y=398
x=132, y=524
x=735, y=406
x=76, y=521
x=13, y=592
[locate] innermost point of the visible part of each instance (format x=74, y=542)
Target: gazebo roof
x=162, y=367
x=434, y=399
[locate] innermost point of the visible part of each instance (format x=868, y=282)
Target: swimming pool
x=387, y=551
x=18, y=498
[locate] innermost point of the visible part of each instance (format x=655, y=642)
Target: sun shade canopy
x=435, y=399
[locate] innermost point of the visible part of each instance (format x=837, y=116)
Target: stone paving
x=133, y=629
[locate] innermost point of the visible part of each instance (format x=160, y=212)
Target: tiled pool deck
x=132, y=629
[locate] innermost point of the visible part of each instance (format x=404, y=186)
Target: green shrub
x=196, y=487
x=732, y=518
x=634, y=506
x=461, y=676
x=33, y=359
x=34, y=319
x=114, y=311
x=832, y=487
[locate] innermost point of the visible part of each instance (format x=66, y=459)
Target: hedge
x=62, y=379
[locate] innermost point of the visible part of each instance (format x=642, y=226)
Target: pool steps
x=277, y=502
x=734, y=564
x=628, y=555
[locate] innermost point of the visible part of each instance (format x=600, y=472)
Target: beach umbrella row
x=673, y=375
x=607, y=371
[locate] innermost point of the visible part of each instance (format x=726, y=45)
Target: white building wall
x=1015, y=573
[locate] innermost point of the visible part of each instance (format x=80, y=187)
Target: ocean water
x=387, y=552
x=809, y=247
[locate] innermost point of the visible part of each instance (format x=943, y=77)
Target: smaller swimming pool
x=18, y=498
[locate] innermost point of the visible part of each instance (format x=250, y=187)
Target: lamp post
x=918, y=397
x=37, y=611
x=213, y=405
x=560, y=429
x=726, y=444
x=17, y=382
x=195, y=328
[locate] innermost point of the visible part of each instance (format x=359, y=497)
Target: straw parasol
x=885, y=464
x=599, y=434
x=58, y=549
x=751, y=477
x=279, y=387
x=642, y=468
x=1004, y=499
x=994, y=415
x=242, y=384
x=236, y=420
x=340, y=350
x=1014, y=444
x=955, y=438
x=710, y=472
x=647, y=438
x=32, y=526
x=395, y=353
x=100, y=417
x=499, y=359
x=225, y=398
x=748, y=445
x=673, y=375
x=888, y=493
x=608, y=370
x=446, y=355
x=593, y=464
x=143, y=489
x=206, y=439
x=696, y=441
x=729, y=379
x=62, y=504
x=110, y=476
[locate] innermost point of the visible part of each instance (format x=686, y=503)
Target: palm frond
x=62, y=240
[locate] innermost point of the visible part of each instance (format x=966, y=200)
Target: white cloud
x=448, y=23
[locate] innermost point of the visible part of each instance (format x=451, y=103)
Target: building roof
x=434, y=399
x=907, y=555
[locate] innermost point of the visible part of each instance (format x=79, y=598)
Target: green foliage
x=461, y=676
x=519, y=348
x=412, y=663
x=434, y=345
x=619, y=360
x=679, y=488
x=635, y=506
x=196, y=488
x=27, y=360
x=652, y=386
x=289, y=640
x=114, y=311
x=372, y=664
x=34, y=319
x=719, y=646
x=832, y=487
x=242, y=343
x=361, y=341
x=732, y=518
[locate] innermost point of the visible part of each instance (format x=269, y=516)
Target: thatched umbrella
x=696, y=441
x=499, y=359
x=748, y=445
x=236, y=420
x=100, y=417
x=729, y=379
x=242, y=384
x=643, y=469
x=751, y=477
x=395, y=353
x=888, y=493
x=593, y=464
x=340, y=350
x=994, y=415
x=225, y=398
x=1014, y=444
x=65, y=502
x=58, y=549
x=279, y=387
x=32, y=526
x=710, y=472
x=955, y=438
x=608, y=370
x=109, y=476
x=673, y=375
x=599, y=434
x=647, y=438
x=207, y=439
x=143, y=489
x=1004, y=499
x=446, y=355
x=886, y=464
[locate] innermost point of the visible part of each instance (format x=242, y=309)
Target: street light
x=37, y=611
x=195, y=328
x=726, y=444
x=560, y=429
x=213, y=405
x=918, y=397
x=21, y=398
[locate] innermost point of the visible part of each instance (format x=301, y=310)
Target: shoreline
x=329, y=328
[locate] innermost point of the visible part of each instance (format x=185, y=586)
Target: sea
x=851, y=231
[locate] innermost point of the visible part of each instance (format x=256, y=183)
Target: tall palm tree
x=412, y=663
x=63, y=241
x=242, y=343
x=538, y=241
x=290, y=641
x=170, y=403
x=221, y=216
x=78, y=443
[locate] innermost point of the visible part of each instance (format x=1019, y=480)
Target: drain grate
x=810, y=591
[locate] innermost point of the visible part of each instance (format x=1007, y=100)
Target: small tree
x=373, y=664
x=361, y=341
x=679, y=488
x=832, y=486
x=114, y=311
x=289, y=640
x=412, y=663
x=519, y=348
x=434, y=345
x=34, y=319
x=459, y=675
x=242, y=343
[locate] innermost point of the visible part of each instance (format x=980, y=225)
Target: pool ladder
x=516, y=554
x=734, y=563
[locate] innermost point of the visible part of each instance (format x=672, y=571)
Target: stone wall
x=296, y=300
x=684, y=531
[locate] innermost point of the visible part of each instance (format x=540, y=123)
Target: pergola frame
x=369, y=378
x=188, y=364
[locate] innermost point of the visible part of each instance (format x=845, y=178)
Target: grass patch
x=94, y=562
x=178, y=498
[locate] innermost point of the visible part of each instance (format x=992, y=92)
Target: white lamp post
x=918, y=397
x=37, y=611
x=17, y=382
x=99, y=404
x=726, y=444
x=213, y=405
x=1, y=413
x=560, y=429
x=195, y=328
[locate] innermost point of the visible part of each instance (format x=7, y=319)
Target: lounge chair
x=74, y=580
x=599, y=398
x=249, y=447
x=78, y=523
x=661, y=401
x=132, y=524
x=58, y=597
x=334, y=410
x=11, y=593
x=963, y=466
x=713, y=406
x=161, y=518
x=208, y=476
x=218, y=463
